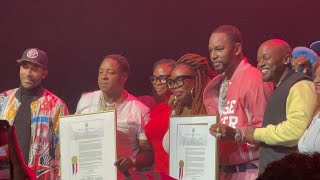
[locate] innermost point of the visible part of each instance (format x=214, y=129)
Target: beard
x=219, y=69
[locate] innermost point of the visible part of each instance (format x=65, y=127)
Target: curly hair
x=203, y=75
x=305, y=52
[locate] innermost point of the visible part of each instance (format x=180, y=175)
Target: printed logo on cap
x=32, y=53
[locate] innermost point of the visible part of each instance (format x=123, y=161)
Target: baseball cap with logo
x=35, y=55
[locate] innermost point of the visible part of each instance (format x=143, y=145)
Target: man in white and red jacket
x=239, y=96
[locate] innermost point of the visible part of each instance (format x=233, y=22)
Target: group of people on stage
x=265, y=113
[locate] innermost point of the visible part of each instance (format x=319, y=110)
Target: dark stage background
x=78, y=34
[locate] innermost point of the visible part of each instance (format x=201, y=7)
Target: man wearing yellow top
x=290, y=107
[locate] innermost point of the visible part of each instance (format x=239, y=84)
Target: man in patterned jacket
x=34, y=111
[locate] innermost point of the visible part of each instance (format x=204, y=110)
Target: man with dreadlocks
x=187, y=82
x=239, y=96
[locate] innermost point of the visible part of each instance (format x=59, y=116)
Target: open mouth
x=264, y=70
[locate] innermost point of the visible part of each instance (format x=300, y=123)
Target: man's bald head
x=279, y=45
x=274, y=57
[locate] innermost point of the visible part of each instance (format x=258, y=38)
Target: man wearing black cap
x=34, y=111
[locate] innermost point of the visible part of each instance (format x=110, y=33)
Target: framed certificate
x=88, y=146
x=193, y=150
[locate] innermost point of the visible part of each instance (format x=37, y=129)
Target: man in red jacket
x=239, y=96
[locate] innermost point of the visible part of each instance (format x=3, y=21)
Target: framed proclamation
x=88, y=146
x=193, y=150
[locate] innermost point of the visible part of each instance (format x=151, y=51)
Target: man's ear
x=287, y=59
x=125, y=77
x=45, y=73
x=238, y=49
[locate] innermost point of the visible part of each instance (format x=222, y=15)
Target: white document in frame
x=87, y=145
x=192, y=148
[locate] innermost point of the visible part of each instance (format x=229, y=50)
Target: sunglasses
x=178, y=81
x=162, y=78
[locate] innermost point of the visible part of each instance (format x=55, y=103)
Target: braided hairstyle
x=203, y=75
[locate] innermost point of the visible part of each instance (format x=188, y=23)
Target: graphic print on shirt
x=228, y=117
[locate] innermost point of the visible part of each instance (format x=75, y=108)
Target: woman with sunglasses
x=161, y=72
x=159, y=116
x=187, y=82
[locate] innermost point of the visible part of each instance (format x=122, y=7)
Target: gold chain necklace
x=115, y=104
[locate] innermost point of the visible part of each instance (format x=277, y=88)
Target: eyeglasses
x=178, y=81
x=162, y=78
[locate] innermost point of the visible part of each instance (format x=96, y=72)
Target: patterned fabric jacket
x=45, y=111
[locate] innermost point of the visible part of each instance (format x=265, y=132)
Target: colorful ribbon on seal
x=74, y=160
x=181, y=165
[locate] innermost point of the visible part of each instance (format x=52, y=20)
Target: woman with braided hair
x=187, y=82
